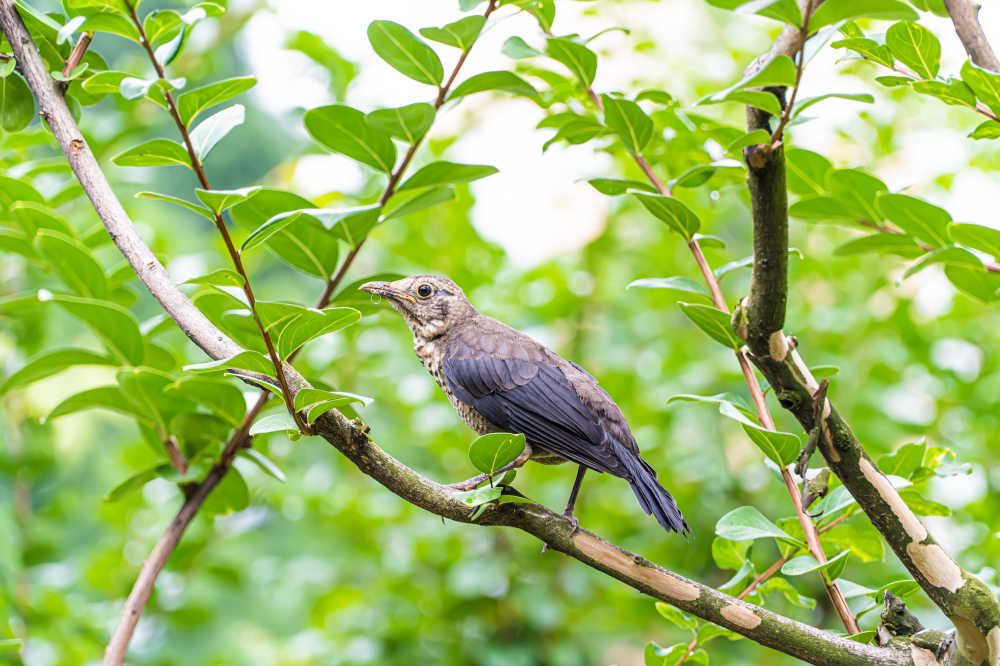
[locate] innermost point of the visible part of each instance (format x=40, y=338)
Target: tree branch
x=965, y=15
x=966, y=600
x=759, y=624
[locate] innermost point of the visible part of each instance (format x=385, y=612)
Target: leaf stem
x=786, y=113
x=220, y=224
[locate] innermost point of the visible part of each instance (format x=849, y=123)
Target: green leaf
x=266, y=465
x=628, y=121
x=72, y=262
x=135, y=482
x=278, y=422
x=803, y=104
x=166, y=53
x=786, y=11
x=713, y=321
x=11, y=645
x=616, y=186
x=344, y=130
x=250, y=361
x=461, y=34
x=984, y=83
x=446, y=173
x=220, y=200
x=222, y=277
x=34, y=217
x=984, y=239
x=834, y=11
x=160, y=23
x=734, y=399
x=747, y=523
x=193, y=207
x=103, y=397
x=781, y=585
x=676, y=283
x=517, y=48
x=806, y=171
x=676, y=617
x=158, y=152
x=106, y=82
x=115, y=325
x=312, y=324
x=230, y=495
x=479, y=496
x=753, y=138
x=405, y=52
x=312, y=396
x=916, y=217
x=675, y=214
x=505, y=81
x=975, y=282
x=580, y=60
x=881, y=243
x=701, y=173
x=214, y=128
x=409, y=123
x=916, y=47
x=857, y=191
x=398, y=208
x=491, y=452
x=219, y=396
x=729, y=554
x=952, y=256
x=804, y=564
x=17, y=105
x=861, y=540
x=146, y=388
x=780, y=71
x=115, y=24
x=952, y=91
x=193, y=102
x=988, y=129
x=894, y=81
x=51, y=363
x=868, y=48
x=781, y=447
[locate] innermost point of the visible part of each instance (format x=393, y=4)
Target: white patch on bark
x=993, y=641
x=914, y=528
x=661, y=581
x=803, y=370
x=741, y=616
x=972, y=644
x=778, y=346
x=922, y=656
x=939, y=569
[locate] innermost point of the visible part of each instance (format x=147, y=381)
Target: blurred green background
x=331, y=568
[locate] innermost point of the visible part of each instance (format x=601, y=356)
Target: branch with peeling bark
x=350, y=438
x=964, y=599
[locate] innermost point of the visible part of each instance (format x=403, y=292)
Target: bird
x=501, y=380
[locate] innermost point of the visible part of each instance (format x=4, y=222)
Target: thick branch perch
x=759, y=624
x=966, y=601
x=965, y=15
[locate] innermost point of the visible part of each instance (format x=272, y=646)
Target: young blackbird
x=500, y=380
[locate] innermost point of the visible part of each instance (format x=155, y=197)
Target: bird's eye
x=425, y=291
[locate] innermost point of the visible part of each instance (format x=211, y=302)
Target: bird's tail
x=653, y=498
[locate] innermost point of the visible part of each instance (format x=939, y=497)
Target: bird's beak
x=386, y=289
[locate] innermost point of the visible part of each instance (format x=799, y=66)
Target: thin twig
x=76, y=55
x=175, y=454
x=800, y=55
x=114, y=655
x=220, y=224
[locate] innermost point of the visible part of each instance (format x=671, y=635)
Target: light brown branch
x=76, y=55
x=965, y=16
x=114, y=655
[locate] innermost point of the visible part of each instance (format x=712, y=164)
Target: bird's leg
x=568, y=512
x=474, y=482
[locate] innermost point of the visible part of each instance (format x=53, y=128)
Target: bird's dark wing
x=536, y=399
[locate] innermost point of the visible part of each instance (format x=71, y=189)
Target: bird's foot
x=573, y=519
x=469, y=484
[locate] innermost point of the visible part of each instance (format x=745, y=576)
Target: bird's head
x=430, y=304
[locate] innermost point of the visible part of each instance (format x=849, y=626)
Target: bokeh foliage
x=326, y=566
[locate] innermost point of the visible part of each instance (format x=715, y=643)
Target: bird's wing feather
x=534, y=398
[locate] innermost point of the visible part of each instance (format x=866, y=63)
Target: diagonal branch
x=965, y=15
x=759, y=624
x=966, y=600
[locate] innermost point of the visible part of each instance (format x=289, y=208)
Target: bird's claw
x=573, y=520
x=464, y=486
